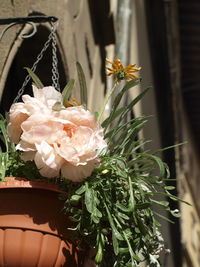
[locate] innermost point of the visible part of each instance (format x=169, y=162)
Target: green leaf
x=75, y=199
x=81, y=189
x=122, y=92
x=5, y=135
x=169, y=187
x=3, y=165
x=135, y=101
x=112, y=224
x=57, y=106
x=161, y=203
x=131, y=197
x=115, y=114
x=100, y=244
x=95, y=219
x=141, y=226
x=117, y=100
x=170, y=147
x=115, y=243
x=123, y=250
x=66, y=94
x=122, y=207
x=132, y=254
x=35, y=78
x=75, y=218
x=175, y=213
x=163, y=217
x=159, y=163
x=82, y=82
x=89, y=199
x=123, y=215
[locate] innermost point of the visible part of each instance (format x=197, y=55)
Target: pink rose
x=18, y=114
x=41, y=103
x=66, y=141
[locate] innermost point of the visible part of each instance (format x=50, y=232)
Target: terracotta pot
x=33, y=231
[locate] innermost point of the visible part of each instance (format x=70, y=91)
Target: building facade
x=158, y=35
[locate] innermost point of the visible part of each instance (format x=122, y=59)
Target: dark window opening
x=25, y=57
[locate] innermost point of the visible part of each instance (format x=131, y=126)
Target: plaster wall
x=75, y=35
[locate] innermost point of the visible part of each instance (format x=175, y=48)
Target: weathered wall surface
x=76, y=40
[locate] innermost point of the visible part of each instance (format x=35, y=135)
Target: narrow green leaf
x=100, y=244
x=5, y=138
x=35, y=78
x=123, y=250
x=113, y=116
x=3, y=165
x=122, y=215
x=66, y=94
x=134, y=102
x=141, y=226
x=122, y=207
x=159, y=163
x=170, y=147
x=81, y=190
x=169, y=187
x=175, y=213
x=75, y=199
x=117, y=100
x=115, y=244
x=94, y=218
x=163, y=217
x=75, y=218
x=177, y=199
x=161, y=203
x=89, y=199
x=112, y=224
x=131, y=197
x=122, y=92
x=132, y=254
x=82, y=82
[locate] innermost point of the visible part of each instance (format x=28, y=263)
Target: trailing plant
x=110, y=184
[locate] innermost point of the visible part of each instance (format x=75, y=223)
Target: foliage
x=112, y=210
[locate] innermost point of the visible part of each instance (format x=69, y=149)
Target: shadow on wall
x=25, y=57
x=103, y=28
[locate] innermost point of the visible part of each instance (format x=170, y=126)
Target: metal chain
x=55, y=73
x=39, y=57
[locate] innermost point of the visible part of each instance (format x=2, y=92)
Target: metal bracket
x=22, y=20
x=25, y=20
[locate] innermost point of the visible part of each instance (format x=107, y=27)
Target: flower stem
x=108, y=96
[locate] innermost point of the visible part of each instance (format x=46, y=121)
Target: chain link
x=55, y=73
x=55, y=77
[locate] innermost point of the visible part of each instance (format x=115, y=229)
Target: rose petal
x=78, y=173
x=47, y=161
x=48, y=95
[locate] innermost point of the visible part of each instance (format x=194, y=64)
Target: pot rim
x=19, y=182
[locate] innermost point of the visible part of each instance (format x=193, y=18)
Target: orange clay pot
x=33, y=230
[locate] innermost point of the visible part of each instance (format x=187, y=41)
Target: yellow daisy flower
x=120, y=72
x=72, y=102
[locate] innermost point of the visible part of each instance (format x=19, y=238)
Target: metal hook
x=23, y=35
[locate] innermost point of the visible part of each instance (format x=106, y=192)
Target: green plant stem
x=108, y=96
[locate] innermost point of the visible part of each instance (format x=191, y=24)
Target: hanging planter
x=33, y=230
x=109, y=179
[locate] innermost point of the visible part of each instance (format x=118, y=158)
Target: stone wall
x=76, y=41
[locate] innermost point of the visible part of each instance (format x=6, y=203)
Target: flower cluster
x=64, y=140
x=120, y=72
